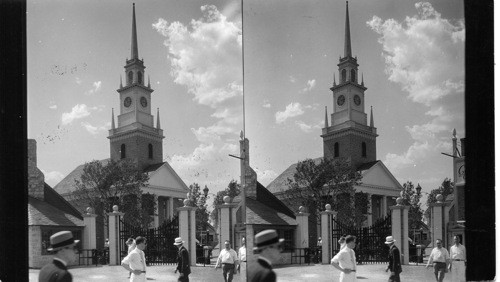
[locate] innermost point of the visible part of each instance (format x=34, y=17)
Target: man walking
x=345, y=260
x=229, y=259
x=242, y=256
x=135, y=261
x=268, y=247
x=182, y=261
x=457, y=264
x=440, y=258
x=63, y=244
x=394, y=260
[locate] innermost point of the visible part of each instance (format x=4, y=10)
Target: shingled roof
x=43, y=213
x=267, y=209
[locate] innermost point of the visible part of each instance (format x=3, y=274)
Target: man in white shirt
x=135, y=262
x=458, y=257
x=440, y=258
x=229, y=259
x=345, y=260
x=242, y=256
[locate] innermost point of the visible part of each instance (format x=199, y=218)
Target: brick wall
x=350, y=146
x=36, y=178
x=136, y=148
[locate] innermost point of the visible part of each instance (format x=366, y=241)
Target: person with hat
x=268, y=247
x=439, y=257
x=135, y=262
x=229, y=260
x=182, y=261
x=63, y=244
x=394, y=260
x=345, y=260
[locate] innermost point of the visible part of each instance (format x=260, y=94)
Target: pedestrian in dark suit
x=268, y=246
x=394, y=260
x=182, y=261
x=63, y=244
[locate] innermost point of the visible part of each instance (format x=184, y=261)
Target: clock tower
x=136, y=137
x=349, y=134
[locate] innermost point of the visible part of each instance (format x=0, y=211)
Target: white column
x=438, y=221
x=227, y=220
x=187, y=228
x=326, y=234
x=399, y=217
x=89, y=232
x=114, y=236
x=156, y=218
x=302, y=232
x=369, y=210
x=170, y=211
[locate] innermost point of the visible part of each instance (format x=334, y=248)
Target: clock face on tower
x=127, y=102
x=144, y=102
x=357, y=100
x=341, y=100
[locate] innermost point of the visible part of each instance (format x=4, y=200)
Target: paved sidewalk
x=295, y=273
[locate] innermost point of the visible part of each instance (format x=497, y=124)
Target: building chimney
x=248, y=175
x=36, y=179
x=462, y=145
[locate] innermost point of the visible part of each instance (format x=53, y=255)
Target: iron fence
x=93, y=257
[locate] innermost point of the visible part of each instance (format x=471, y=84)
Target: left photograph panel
x=136, y=142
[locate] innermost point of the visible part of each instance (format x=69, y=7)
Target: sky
x=411, y=55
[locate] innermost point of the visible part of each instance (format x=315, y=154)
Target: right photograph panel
x=353, y=142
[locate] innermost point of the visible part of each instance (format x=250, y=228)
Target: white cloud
x=307, y=127
x=211, y=133
x=310, y=85
x=205, y=56
x=53, y=107
x=79, y=111
x=292, y=110
x=96, y=86
x=229, y=148
x=78, y=80
x=267, y=105
x=292, y=79
x=202, y=153
x=53, y=177
x=95, y=129
x=424, y=54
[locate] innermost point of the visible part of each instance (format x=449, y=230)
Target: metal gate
x=160, y=248
x=370, y=241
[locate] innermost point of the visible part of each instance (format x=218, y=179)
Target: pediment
x=165, y=179
x=379, y=176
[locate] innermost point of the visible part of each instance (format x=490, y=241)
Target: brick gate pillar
x=438, y=220
x=326, y=234
x=187, y=229
x=114, y=236
x=302, y=232
x=399, y=219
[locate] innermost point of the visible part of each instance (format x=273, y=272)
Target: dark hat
x=60, y=240
x=266, y=238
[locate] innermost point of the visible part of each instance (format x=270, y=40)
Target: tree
x=232, y=190
x=198, y=199
x=411, y=197
x=446, y=188
x=101, y=186
x=317, y=183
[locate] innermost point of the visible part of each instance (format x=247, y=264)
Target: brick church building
x=135, y=136
x=348, y=134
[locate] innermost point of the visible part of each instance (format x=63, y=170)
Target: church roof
x=153, y=167
x=266, y=209
x=53, y=210
x=67, y=185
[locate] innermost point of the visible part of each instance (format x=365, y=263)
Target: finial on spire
x=121, y=84
x=372, y=123
x=112, y=118
x=334, y=82
x=362, y=80
x=149, y=82
x=454, y=133
x=134, y=52
x=158, y=118
x=326, y=117
x=347, y=43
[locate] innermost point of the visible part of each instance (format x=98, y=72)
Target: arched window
x=336, y=150
x=363, y=149
x=344, y=74
x=139, y=77
x=130, y=77
x=353, y=75
x=150, y=151
x=123, y=154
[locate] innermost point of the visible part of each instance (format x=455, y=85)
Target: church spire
x=347, y=42
x=326, y=117
x=121, y=84
x=112, y=118
x=362, y=80
x=158, y=118
x=371, y=117
x=149, y=82
x=334, y=83
x=134, y=52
